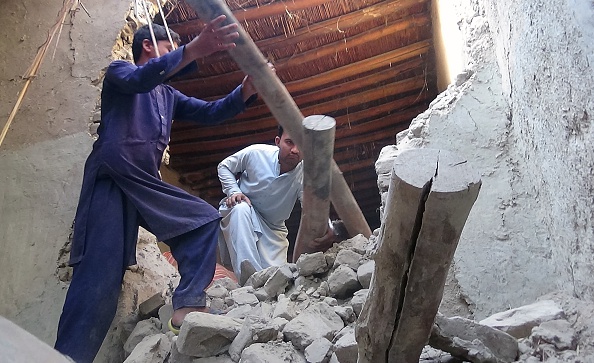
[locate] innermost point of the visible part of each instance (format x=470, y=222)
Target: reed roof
x=369, y=64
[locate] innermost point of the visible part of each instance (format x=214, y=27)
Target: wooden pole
x=283, y=108
x=317, y=150
x=429, y=199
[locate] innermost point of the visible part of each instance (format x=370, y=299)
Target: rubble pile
x=306, y=312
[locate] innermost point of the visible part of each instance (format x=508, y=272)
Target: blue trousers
x=92, y=298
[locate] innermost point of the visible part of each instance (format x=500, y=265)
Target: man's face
x=164, y=46
x=289, y=155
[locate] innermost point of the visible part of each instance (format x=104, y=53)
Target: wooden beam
x=283, y=107
x=250, y=14
x=416, y=84
x=317, y=150
x=339, y=88
x=341, y=23
x=195, y=86
x=429, y=199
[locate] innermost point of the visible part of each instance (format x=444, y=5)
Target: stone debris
x=255, y=329
x=519, y=322
x=318, y=351
x=150, y=308
x=206, y=335
x=144, y=328
x=478, y=343
x=307, y=311
x=364, y=273
x=151, y=349
x=345, y=347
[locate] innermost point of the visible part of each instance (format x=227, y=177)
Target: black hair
x=144, y=32
x=280, y=131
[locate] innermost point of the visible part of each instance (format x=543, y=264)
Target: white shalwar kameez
x=257, y=233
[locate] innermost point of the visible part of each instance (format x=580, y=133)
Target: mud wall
x=521, y=114
x=545, y=52
x=42, y=157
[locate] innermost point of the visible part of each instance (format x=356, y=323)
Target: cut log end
x=319, y=123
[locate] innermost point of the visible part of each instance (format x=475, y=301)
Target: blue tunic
x=137, y=110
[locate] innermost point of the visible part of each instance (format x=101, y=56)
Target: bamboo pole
x=317, y=150
x=282, y=106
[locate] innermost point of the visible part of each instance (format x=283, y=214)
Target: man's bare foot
x=178, y=315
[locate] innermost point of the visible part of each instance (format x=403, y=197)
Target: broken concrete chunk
x=143, y=329
x=150, y=307
x=365, y=272
x=261, y=294
x=165, y=313
x=285, y=308
x=343, y=282
x=226, y=282
x=277, y=352
x=519, y=322
x=348, y=258
x=279, y=281
x=311, y=264
x=346, y=312
x=358, y=300
x=559, y=333
x=152, y=349
x=218, y=304
x=217, y=291
x=345, y=347
x=318, y=351
x=206, y=335
x=239, y=312
x=318, y=320
x=242, y=296
x=263, y=309
x=259, y=278
x=254, y=330
x=176, y=356
x=472, y=341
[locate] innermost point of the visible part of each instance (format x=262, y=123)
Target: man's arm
x=227, y=170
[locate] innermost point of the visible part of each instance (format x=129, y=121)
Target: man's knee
x=241, y=210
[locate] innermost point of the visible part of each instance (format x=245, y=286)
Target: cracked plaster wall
x=521, y=115
x=44, y=151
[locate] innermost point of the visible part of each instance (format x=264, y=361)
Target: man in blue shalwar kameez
x=122, y=189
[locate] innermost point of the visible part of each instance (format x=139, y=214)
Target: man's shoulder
x=261, y=148
x=122, y=63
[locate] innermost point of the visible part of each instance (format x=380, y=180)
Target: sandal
x=173, y=328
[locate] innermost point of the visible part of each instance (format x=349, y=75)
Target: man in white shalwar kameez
x=259, y=202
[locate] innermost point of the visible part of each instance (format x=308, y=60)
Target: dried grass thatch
x=369, y=64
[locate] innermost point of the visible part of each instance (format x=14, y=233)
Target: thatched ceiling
x=369, y=64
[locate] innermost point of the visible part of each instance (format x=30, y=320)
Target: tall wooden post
x=283, y=108
x=318, y=149
x=429, y=199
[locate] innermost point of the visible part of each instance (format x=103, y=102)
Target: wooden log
x=317, y=150
x=283, y=108
x=429, y=199
x=394, y=90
